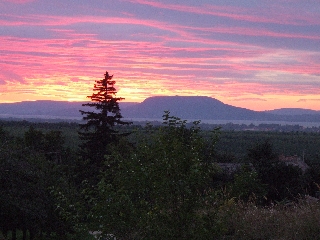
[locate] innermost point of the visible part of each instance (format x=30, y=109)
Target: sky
x=255, y=54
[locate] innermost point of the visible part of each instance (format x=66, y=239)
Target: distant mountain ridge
x=194, y=107
x=45, y=108
x=293, y=111
x=184, y=107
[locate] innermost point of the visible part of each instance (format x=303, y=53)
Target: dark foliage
x=283, y=181
x=27, y=173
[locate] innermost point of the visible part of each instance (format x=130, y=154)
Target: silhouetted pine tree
x=98, y=132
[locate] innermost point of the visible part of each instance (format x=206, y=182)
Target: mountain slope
x=190, y=108
x=44, y=108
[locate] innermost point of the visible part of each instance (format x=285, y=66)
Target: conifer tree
x=98, y=131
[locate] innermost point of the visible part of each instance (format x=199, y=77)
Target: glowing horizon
x=260, y=56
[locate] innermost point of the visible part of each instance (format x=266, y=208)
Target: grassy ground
x=284, y=221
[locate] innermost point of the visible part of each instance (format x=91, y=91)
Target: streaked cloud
x=240, y=52
x=307, y=100
x=19, y=1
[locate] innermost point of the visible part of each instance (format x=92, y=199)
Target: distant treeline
x=234, y=139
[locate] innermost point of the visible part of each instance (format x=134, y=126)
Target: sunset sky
x=256, y=54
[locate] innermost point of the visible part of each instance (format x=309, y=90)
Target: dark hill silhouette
x=293, y=111
x=191, y=108
x=45, y=109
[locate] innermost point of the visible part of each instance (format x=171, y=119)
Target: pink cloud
x=141, y=55
x=252, y=31
x=20, y=1
x=183, y=33
x=168, y=66
x=236, y=13
x=10, y=76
